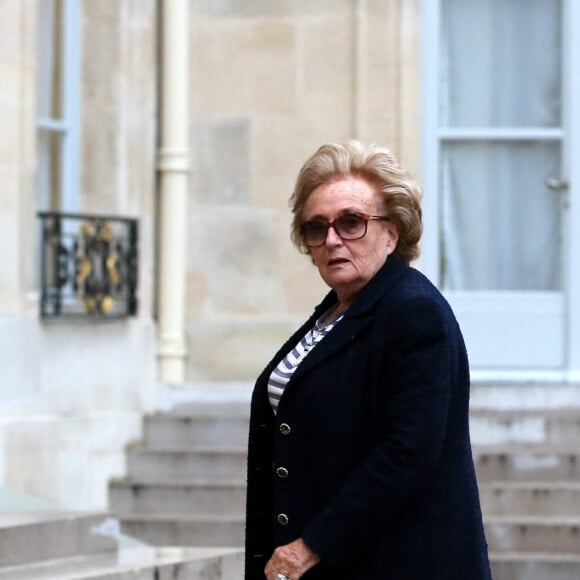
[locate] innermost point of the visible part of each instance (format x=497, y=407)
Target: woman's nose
x=332, y=238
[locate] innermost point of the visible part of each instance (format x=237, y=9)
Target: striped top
x=282, y=374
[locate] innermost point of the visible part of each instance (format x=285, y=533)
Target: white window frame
x=572, y=111
x=68, y=127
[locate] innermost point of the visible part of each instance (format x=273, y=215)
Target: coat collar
x=356, y=318
x=382, y=282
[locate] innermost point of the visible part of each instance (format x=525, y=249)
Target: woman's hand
x=292, y=560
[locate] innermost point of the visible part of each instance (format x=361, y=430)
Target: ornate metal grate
x=88, y=266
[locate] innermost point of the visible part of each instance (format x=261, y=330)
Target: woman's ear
x=393, y=234
x=392, y=237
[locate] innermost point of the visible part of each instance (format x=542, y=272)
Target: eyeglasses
x=349, y=226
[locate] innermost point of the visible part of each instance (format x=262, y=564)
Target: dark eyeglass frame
x=335, y=225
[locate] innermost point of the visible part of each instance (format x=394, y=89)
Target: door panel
x=511, y=331
x=495, y=141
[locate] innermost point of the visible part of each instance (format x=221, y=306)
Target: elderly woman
x=359, y=461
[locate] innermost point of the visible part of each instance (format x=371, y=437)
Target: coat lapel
x=358, y=317
x=355, y=321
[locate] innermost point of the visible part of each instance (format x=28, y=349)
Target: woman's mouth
x=337, y=261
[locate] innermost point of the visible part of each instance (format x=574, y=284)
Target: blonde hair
x=378, y=167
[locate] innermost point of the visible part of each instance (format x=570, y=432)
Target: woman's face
x=347, y=265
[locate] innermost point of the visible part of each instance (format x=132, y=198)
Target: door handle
x=556, y=184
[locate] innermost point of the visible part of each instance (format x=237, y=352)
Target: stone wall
x=270, y=82
x=17, y=104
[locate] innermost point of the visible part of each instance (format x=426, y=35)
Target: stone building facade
x=269, y=83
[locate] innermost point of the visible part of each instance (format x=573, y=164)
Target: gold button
x=282, y=472
x=283, y=519
x=285, y=429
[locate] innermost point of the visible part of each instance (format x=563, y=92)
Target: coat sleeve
x=415, y=391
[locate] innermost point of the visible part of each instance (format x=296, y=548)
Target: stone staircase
x=41, y=542
x=186, y=483
x=526, y=442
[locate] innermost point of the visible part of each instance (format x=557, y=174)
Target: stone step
x=526, y=463
x=531, y=498
x=184, y=465
x=540, y=426
x=533, y=534
x=512, y=395
x=231, y=402
x=196, y=497
x=536, y=566
x=28, y=536
x=185, y=529
x=179, y=430
x=142, y=563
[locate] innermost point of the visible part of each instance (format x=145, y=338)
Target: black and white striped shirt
x=282, y=374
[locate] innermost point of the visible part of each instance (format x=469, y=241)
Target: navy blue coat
x=381, y=482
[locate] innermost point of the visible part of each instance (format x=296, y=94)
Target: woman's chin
x=338, y=277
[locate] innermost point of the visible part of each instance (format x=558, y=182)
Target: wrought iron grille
x=88, y=266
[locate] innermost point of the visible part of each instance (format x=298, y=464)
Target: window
x=496, y=142
x=58, y=51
